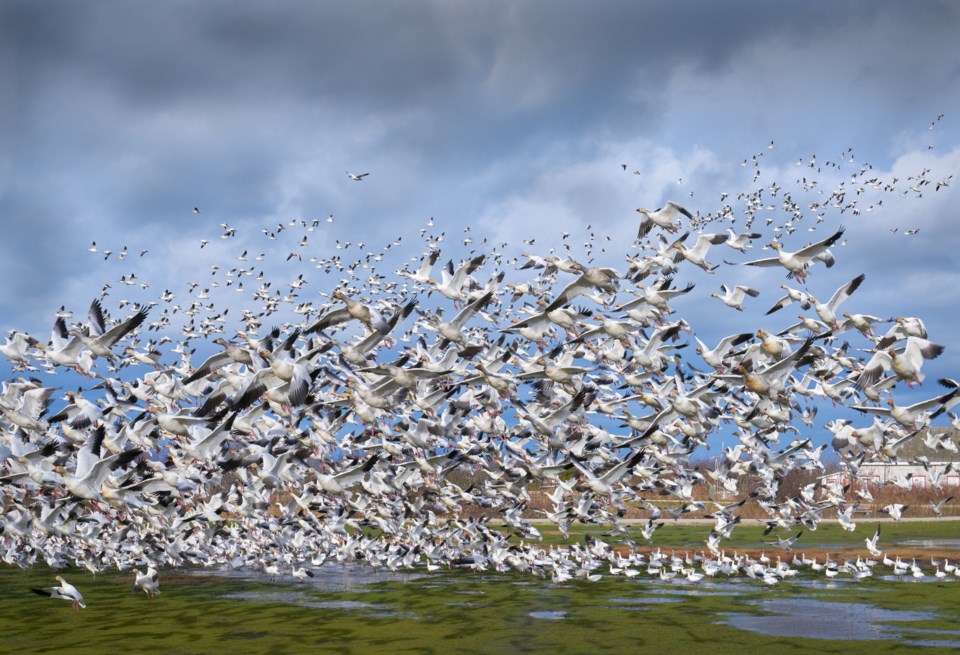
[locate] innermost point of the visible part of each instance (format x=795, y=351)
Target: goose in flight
x=785, y=544
x=66, y=591
x=905, y=363
x=452, y=281
x=453, y=330
x=739, y=241
x=716, y=356
x=91, y=471
x=913, y=416
x=793, y=295
x=98, y=339
x=353, y=309
x=17, y=346
x=665, y=217
x=828, y=311
x=604, y=279
x=734, y=297
x=698, y=254
x=894, y=510
x=871, y=543
x=797, y=262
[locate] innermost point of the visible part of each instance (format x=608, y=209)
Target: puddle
x=302, y=599
x=646, y=600
x=331, y=577
x=554, y=615
x=342, y=605
x=288, y=597
x=815, y=619
x=693, y=589
x=930, y=543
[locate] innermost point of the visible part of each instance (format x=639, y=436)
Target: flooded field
x=353, y=609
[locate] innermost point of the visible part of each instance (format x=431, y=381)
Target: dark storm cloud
x=118, y=116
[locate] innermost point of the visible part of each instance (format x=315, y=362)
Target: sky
x=516, y=120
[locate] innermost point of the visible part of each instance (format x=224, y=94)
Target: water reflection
x=817, y=619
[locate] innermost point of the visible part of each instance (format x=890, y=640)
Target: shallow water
x=930, y=543
x=551, y=615
x=644, y=600
x=817, y=619
x=333, y=577
x=352, y=609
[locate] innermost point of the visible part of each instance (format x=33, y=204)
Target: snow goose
x=665, y=217
x=353, y=309
x=452, y=281
x=734, y=297
x=797, y=262
x=91, y=471
x=698, y=254
x=604, y=279
x=64, y=349
x=895, y=510
x=905, y=364
x=911, y=416
x=17, y=346
x=452, y=331
x=863, y=323
x=871, y=543
x=66, y=591
x=739, y=241
x=232, y=352
x=793, y=295
x=98, y=339
x=828, y=311
x=658, y=296
x=147, y=582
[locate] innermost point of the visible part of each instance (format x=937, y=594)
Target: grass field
x=463, y=612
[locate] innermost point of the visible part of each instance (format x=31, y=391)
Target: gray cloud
x=118, y=118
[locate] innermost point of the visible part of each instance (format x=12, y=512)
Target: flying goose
x=66, y=591
x=665, y=217
x=797, y=262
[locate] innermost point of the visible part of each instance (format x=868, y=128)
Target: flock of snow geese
x=406, y=420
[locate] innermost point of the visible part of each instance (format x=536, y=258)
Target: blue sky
x=117, y=119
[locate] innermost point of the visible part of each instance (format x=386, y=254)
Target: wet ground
x=351, y=608
x=804, y=615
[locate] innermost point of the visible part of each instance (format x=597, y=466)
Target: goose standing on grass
x=148, y=582
x=66, y=591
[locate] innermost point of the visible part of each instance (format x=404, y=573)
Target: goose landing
x=66, y=591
